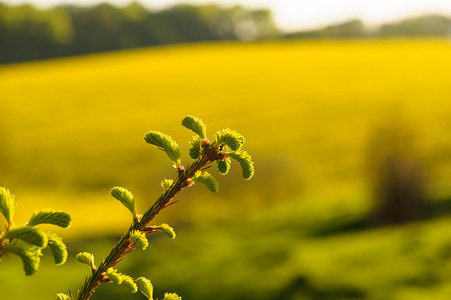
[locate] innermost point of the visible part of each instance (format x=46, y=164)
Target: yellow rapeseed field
x=78, y=123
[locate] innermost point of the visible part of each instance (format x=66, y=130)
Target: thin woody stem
x=124, y=245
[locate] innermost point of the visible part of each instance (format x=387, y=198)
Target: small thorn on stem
x=171, y=203
x=130, y=249
x=119, y=260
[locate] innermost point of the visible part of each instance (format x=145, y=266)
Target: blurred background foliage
x=30, y=33
x=349, y=131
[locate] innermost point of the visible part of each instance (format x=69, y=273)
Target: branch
x=228, y=143
x=124, y=246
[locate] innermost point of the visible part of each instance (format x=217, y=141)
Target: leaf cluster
x=125, y=197
x=207, y=179
x=229, y=144
x=27, y=241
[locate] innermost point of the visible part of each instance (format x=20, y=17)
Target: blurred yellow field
x=312, y=113
x=307, y=108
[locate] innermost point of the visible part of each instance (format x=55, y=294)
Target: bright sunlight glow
x=299, y=14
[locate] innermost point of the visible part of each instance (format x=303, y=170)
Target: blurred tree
x=28, y=33
x=418, y=26
x=397, y=176
x=250, y=25
x=423, y=25
x=187, y=23
x=98, y=28
x=135, y=11
x=352, y=28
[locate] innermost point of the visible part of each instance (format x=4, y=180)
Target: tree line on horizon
x=28, y=33
x=424, y=25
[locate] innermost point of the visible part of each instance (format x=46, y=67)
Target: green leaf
x=129, y=283
x=120, y=278
x=30, y=255
x=86, y=258
x=207, y=179
x=30, y=235
x=139, y=238
x=166, y=183
x=7, y=204
x=116, y=277
x=230, y=138
x=125, y=197
x=165, y=143
x=196, y=125
x=168, y=230
x=50, y=216
x=223, y=166
x=245, y=160
x=145, y=287
x=171, y=296
x=62, y=296
x=194, y=151
x=58, y=248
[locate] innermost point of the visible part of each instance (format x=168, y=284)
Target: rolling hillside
x=309, y=111
x=312, y=113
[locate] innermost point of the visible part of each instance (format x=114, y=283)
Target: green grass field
x=72, y=128
x=277, y=255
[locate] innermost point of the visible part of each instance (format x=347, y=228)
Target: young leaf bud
x=29, y=254
x=207, y=179
x=196, y=125
x=168, y=230
x=62, y=296
x=165, y=143
x=166, y=183
x=194, y=151
x=7, y=204
x=58, y=248
x=245, y=160
x=145, y=287
x=171, y=296
x=223, y=166
x=30, y=235
x=50, y=216
x=86, y=258
x=125, y=197
x=139, y=238
x=115, y=277
x=230, y=138
x=129, y=283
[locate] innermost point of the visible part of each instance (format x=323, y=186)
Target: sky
x=293, y=15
